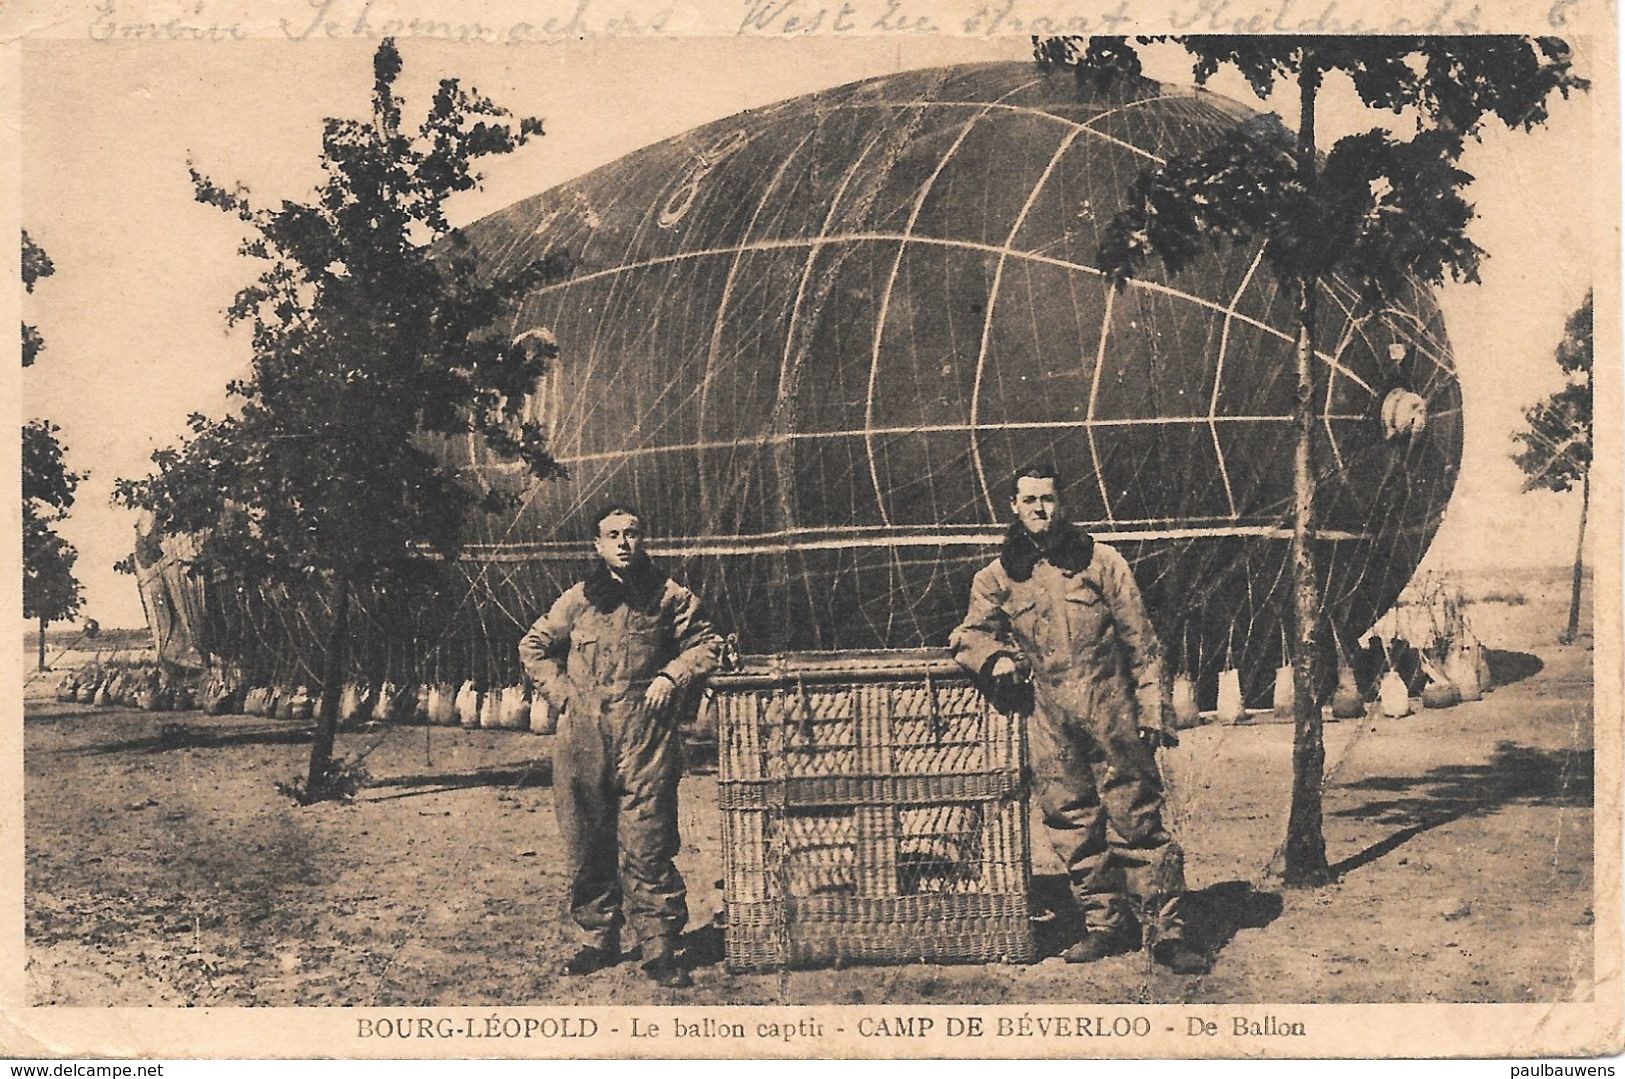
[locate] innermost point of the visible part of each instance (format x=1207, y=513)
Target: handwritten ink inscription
x=582, y=19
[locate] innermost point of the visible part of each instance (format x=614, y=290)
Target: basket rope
x=781, y=871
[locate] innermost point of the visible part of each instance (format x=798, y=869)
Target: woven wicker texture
x=883, y=817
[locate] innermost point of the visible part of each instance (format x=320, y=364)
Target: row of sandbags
x=137, y=685
x=439, y=704
x=1464, y=675
x=445, y=704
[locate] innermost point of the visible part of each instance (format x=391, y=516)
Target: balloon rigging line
x=1094, y=394
x=1224, y=333
x=688, y=546
x=1078, y=126
x=719, y=322
x=792, y=242
x=991, y=305
x=891, y=281
x=1218, y=375
x=784, y=437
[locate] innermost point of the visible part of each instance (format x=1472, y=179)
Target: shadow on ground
x=536, y=773
x=699, y=757
x=704, y=947
x=1213, y=915
x=1509, y=667
x=1418, y=803
x=172, y=736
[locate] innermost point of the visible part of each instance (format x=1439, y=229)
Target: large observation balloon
x=811, y=343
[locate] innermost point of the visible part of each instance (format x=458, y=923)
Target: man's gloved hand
x=1010, y=669
x=1156, y=739
x=657, y=698
x=1008, y=684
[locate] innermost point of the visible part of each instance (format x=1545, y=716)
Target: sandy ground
x=164, y=869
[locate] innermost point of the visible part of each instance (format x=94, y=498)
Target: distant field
x=108, y=640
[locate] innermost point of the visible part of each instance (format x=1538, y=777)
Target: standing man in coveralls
x=1064, y=611
x=613, y=655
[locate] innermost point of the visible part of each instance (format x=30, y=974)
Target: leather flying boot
x=1098, y=944
x=588, y=960
x=666, y=970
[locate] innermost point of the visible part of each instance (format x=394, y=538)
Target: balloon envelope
x=810, y=343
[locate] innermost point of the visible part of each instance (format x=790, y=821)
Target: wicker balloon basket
x=874, y=809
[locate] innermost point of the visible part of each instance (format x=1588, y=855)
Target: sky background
x=133, y=318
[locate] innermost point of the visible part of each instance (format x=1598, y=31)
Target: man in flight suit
x=613, y=654
x=1063, y=612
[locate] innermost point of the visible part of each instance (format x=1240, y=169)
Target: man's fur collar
x=1064, y=546
x=640, y=588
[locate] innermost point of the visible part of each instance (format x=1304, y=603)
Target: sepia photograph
x=574, y=541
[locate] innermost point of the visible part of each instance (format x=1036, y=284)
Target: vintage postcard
x=866, y=528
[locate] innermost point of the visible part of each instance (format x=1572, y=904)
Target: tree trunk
x=43, y=621
x=327, y=719
x=1573, y=632
x=1305, y=842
